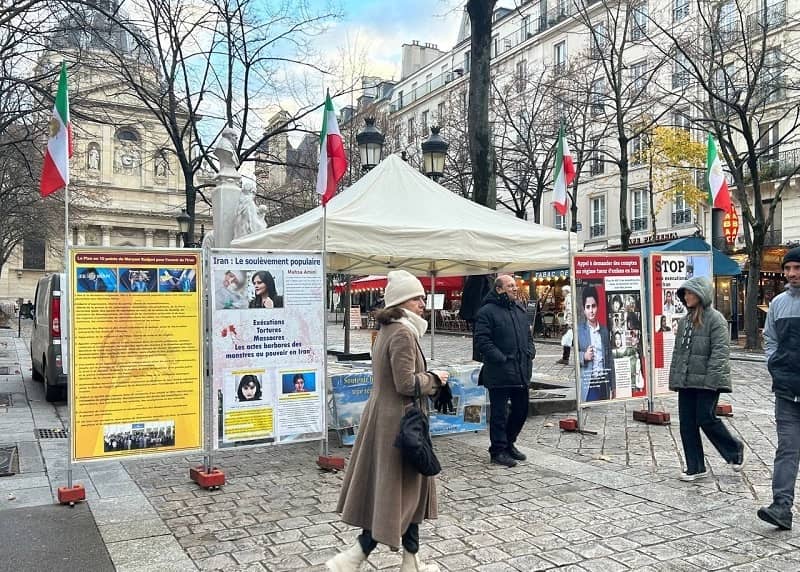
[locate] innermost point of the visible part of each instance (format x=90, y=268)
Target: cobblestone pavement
x=602, y=502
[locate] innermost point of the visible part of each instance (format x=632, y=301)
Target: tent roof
x=396, y=217
x=723, y=264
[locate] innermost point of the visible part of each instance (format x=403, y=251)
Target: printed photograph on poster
x=299, y=382
x=245, y=388
x=91, y=279
x=236, y=289
x=594, y=344
x=267, y=289
x=137, y=280
x=177, y=280
x=141, y=435
x=230, y=290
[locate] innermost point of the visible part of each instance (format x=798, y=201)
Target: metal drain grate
x=9, y=461
x=52, y=433
x=5, y=400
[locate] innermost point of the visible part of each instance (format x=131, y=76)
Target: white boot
x=348, y=561
x=411, y=563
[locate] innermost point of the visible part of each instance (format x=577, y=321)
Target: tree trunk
x=479, y=131
x=751, y=311
x=624, y=223
x=652, y=200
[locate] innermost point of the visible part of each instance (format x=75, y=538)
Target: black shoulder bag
x=414, y=439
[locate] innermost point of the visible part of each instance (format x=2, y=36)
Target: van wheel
x=53, y=392
x=34, y=373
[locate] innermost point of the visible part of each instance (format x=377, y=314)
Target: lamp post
x=370, y=144
x=434, y=150
x=184, y=223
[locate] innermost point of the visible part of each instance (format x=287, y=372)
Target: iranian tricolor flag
x=564, y=173
x=332, y=160
x=718, y=194
x=55, y=170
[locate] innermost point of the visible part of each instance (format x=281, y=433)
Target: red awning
x=443, y=284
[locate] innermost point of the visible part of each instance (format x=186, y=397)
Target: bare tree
x=627, y=95
x=736, y=61
x=480, y=135
x=525, y=136
x=224, y=65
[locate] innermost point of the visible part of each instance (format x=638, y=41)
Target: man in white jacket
x=566, y=339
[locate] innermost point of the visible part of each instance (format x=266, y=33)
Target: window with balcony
x=526, y=28
x=521, y=75
x=33, y=253
x=768, y=150
x=771, y=82
x=774, y=235
x=440, y=111
x=599, y=41
x=597, y=166
x=495, y=45
x=638, y=210
x=466, y=62
x=636, y=148
x=639, y=76
x=680, y=10
x=681, y=120
x=767, y=16
x=424, y=123
x=639, y=23
x=598, y=96
x=681, y=213
x=410, y=131
x=559, y=220
x=728, y=23
x=560, y=57
x=598, y=210
x=680, y=70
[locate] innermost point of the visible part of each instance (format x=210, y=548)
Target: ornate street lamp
x=370, y=144
x=434, y=150
x=184, y=221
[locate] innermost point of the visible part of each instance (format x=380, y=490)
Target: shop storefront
x=770, y=280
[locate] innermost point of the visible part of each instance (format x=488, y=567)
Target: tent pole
x=433, y=311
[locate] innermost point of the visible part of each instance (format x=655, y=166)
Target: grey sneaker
x=689, y=477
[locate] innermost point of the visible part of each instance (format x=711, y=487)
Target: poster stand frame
x=579, y=424
x=661, y=417
x=70, y=492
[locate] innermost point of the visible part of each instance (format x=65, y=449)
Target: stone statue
x=225, y=151
x=249, y=217
x=161, y=166
x=94, y=158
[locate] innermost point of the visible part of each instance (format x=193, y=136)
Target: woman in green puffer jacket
x=699, y=372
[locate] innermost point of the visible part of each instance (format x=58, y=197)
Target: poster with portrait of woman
x=609, y=332
x=668, y=270
x=267, y=328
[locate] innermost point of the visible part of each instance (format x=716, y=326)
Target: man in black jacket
x=503, y=338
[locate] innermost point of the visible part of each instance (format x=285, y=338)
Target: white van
x=46, y=357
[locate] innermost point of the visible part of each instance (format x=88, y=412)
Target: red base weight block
x=212, y=479
x=568, y=424
x=640, y=415
x=725, y=409
x=71, y=495
x=658, y=418
x=330, y=463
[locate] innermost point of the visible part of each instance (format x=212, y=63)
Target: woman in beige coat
x=381, y=494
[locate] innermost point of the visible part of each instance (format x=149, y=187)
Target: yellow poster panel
x=136, y=367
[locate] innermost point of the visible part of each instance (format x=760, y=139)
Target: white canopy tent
x=396, y=217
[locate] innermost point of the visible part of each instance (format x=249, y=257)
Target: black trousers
x=697, y=410
x=506, y=423
x=410, y=540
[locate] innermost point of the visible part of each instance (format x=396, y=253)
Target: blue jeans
x=787, y=456
x=697, y=410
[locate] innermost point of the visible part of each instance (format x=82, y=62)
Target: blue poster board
x=350, y=391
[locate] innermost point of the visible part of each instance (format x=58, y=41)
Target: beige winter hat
x=401, y=286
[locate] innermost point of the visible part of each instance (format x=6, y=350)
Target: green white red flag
x=55, y=169
x=332, y=160
x=718, y=194
x=564, y=173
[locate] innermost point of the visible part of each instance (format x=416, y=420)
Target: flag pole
x=66, y=341
x=324, y=444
